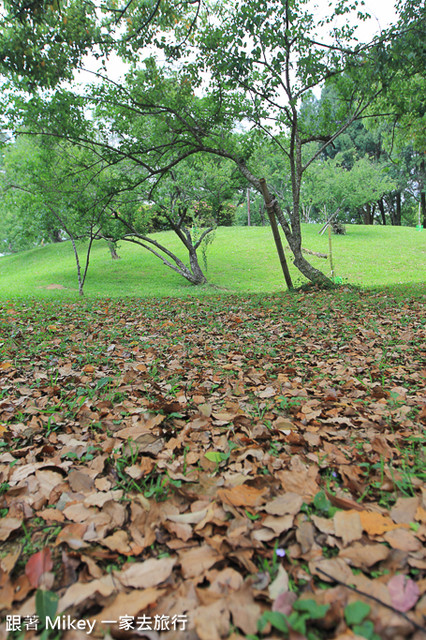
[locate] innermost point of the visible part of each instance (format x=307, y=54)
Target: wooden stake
x=269, y=203
x=329, y=248
x=248, y=208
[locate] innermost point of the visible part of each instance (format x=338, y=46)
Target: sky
x=382, y=15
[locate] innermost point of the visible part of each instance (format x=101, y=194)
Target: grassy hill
x=240, y=260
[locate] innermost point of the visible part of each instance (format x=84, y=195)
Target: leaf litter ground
x=214, y=463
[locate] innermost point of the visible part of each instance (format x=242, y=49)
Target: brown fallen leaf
x=195, y=561
x=118, y=541
x=7, y=526
x=81, y=592
x=8, y=561
x=80, y=481
x=146, y=574
x=242, y=496
x=244, y=610
x=212, y=621
x=375, y=524
x=72, y=535
x=305, y=535
x=51, y=515
x=404, y=510
x=7, y=591
x=365, y=556
x=286, y=503
x=130, y=604
x=334, y=567
x=403, y=539
x=347, y=525
x=279, y=524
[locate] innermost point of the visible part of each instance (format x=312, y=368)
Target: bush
x=338, y=228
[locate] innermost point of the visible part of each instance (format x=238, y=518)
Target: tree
x=271, y=56
x=329, y=183
x=146, y=173
x=50, y=185
x=43, y=41
x=191, y=199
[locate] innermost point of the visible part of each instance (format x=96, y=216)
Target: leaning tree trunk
x=113, y=251
x=198, y=275
x=193, y=273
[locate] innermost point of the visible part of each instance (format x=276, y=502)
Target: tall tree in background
x=272, y=55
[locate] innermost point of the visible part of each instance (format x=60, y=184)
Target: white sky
x=382, y=16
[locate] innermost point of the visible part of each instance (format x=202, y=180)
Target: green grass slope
x=240, y=260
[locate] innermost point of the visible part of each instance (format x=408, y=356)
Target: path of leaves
x=211, y=458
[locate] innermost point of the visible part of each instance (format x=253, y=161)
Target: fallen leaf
x=375, y=524
x=242, y=496
x=404, y=592
x=7, y=525
x=131, y=603
x=347, y=525
x=280, y=584
x=283, y=603
x=287, y=503
x=38, y=564
x=195, y=561
x=80, y=592
x=146, y=574
x=403, y=539
x=365, y=555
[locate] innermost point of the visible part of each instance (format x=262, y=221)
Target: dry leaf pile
x=214, y=459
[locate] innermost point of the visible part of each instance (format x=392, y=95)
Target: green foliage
x=323, y=505
x=355, y=612
x=332, y=185
x=46, y=603
x=41, y=43
x=303, y=612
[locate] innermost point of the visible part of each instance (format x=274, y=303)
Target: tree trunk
x=193, y=273
x=55, y=235
x=398, y=210
x=382, y=211
x=367, y=214
x=262, y=214
x=294, y=241
x=198, y=275
x=112, y=248
x=293, y=233
x=77, y=262
x=423, y=208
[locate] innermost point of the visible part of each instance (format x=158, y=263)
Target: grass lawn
x=240, y=260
